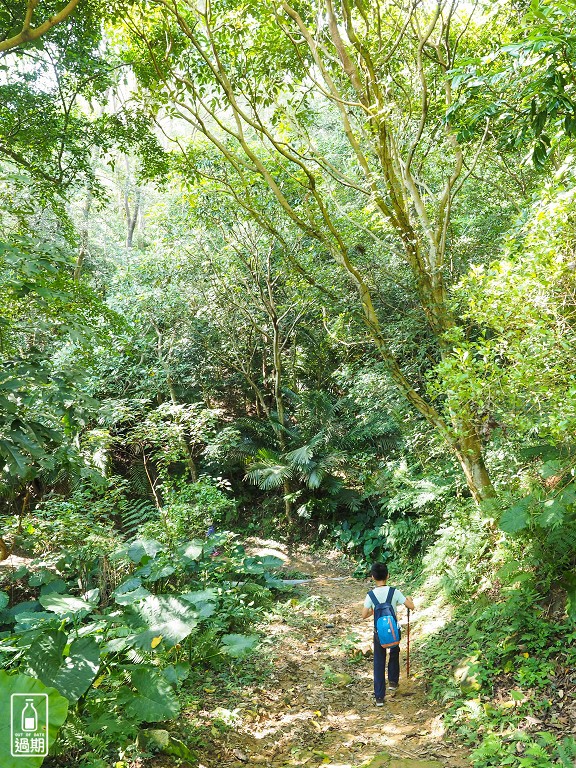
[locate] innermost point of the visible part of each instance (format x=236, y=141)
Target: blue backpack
x=385, y=621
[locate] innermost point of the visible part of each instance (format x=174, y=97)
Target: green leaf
x=57, y=712
x=192, y=550
x=56, y=586
x=128, y=586
x=568, y=495
x=64, y=605
x=200, y=596
x=157, y=700
x=127, y=598
x=161, y=615
x=43, y=576
x=552, y=514
x=72, y=674
x=518, y=695
x=163, y=572
x=571, y=595
x=271, y=561
x=177, y=673
x=17, y=463
x=299, y=457
x=517, y=517
x=138, y=550
x=4, y=600
x=141, y=548
x=371, y=545
x=252, y=565
x=165, y=743
x=314, y=479
x=129, y=592
x=550, y=468
x=238, y=645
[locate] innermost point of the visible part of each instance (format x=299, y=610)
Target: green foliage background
x=237, y=300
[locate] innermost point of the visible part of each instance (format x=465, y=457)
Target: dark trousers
x=380, y=668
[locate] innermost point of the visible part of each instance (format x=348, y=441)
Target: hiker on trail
x=382, y=601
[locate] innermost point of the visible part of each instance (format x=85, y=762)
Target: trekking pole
x=408, y=646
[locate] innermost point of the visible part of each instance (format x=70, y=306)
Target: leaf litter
x=317, y=707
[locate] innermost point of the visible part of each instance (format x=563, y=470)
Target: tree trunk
x=131, y=214
x=278, y=398
x=83, y=250
x=287, y=489
x=192, y=468
x=152, y=481
x=460, y=436
x=469, y=452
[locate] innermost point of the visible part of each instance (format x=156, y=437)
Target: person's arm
x=409, y=603
x=367, y=612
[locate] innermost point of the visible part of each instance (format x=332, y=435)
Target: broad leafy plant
x=127, y=655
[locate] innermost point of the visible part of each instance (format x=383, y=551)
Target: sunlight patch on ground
x=265, y=547
x=283, y=728
x=286, y=719
x=338, y=765
x=278, y=629
x=343, y=717
x=14, y=561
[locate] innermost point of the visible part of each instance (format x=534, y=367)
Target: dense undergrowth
x=132, y=613
x=503, y=664
x=124, y=634
x=504, y=670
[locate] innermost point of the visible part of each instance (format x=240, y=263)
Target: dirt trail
x=317, y=708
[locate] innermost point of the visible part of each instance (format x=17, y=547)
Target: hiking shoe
x=379, y=702
x=392, y=689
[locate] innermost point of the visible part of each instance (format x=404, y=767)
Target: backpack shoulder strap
x=389, y=597
x=373, y=597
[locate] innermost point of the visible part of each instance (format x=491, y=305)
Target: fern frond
x=138, y=478
x=135, y=514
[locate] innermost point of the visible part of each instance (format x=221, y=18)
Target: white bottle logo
x=29, y=717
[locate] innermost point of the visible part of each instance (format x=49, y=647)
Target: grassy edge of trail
x=499, y=662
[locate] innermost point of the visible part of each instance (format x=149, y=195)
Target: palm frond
x=300, y=456
x=268, y=470
x=314, y=478
x=270, y=477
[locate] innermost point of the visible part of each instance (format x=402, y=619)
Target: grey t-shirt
x=381, y=594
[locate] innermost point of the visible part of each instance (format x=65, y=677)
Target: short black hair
x=379, y=571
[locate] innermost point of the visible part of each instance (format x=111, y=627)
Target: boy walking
x=384, y=594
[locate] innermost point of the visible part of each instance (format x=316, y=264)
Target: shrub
x=190, y=510
x=123, y=664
